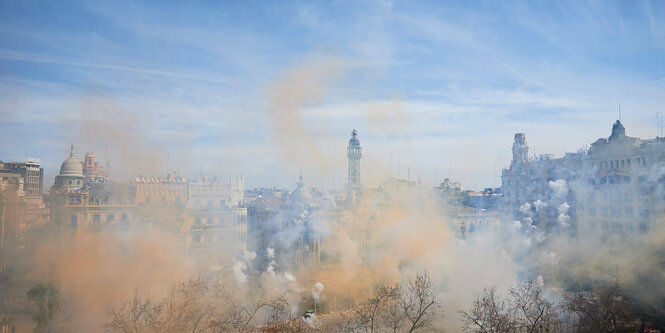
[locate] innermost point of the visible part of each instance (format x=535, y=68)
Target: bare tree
x=489, y=314
x=533, y=312
x=134, y=316
x=382, y=294
x=194, y=306
x=293, y=325
x=392, y=318
x=256, y=300
x=602, y=310
x=356, y=319
x=418, y=303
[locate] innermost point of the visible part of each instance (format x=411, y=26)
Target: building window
x=644, y=213
x=73, y=223
x=110, y=218
x=629, y=211
x=616, y=212
x=603, y=212
x=96, y=218
x=617, y=227
x=641, y=179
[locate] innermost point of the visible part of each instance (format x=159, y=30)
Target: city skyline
x=333, y=166
x=261, y=88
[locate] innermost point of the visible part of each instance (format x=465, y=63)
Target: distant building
x=489, y=198
x=83, y=204
x=32, y=174
x=468, y=211
x=93, y=171
x=616, y=186
x=262, y=225
x=216, y=218
x=354, y=154
x=21, y=203
x=169, y=190
x=288, y=226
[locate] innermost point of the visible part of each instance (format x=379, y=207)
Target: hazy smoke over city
x=334, y=177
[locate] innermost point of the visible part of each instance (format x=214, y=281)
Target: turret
x=520, y=150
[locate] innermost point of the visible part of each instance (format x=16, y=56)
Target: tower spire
x=354, y=153
x=71, y=151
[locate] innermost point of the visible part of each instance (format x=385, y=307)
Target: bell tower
x=353, y=154
x=520, y=150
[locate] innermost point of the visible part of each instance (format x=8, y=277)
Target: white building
x=616, y=186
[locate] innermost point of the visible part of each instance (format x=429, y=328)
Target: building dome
x=71, y=166
x=354, y=140
x=301, y=195
x=618, y=131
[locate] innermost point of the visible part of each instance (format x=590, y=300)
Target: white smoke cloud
x=289, y=277
x=550, y=258
x=316, y=290
x=525, y=208
x=539, y=204
x=559, y=187
x=563, y=219
x=240, y=266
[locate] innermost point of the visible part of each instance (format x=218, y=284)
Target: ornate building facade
x=616, y=186
x=89, y=203
x=216, y=218
x=93, y=170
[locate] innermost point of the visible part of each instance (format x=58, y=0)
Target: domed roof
x=354, y=140
x=301, y=194
x=71, y=166
x=618, y=131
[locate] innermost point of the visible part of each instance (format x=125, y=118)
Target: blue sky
x=270, y=88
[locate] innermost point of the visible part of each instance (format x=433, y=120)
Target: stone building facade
x=216, y=218
x=616, y=186
x=32, y=174
x=21, y=203
x=88, y=203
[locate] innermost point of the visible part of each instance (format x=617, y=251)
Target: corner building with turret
x=616, y=186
